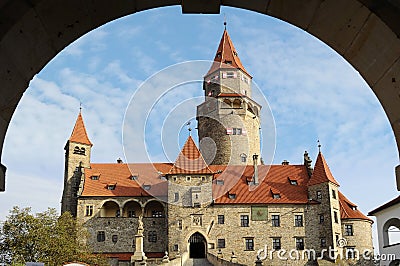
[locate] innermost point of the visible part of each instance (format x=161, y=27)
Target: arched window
x=390, y=228
x=243, y=157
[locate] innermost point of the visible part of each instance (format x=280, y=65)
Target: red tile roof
x=348, y=210
x=79, y=134
x=321, y=173
x=120, y=175
x=226, y=52
x=385, y=206
x=273, y=178
x=190, y=160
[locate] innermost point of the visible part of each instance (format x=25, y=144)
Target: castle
x=214, y=202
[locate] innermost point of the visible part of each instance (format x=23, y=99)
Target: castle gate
x=197, y=246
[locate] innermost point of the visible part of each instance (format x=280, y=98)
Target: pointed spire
x=190, y=160
x=321, y=173
x=226, y=55
x=79, y=134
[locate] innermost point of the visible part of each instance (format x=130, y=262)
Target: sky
x=313, y=93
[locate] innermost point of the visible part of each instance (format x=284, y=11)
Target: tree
x=44, y=237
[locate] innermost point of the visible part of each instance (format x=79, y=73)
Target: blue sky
x=312, y=91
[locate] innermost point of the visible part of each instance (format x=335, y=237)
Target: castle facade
x=219, y=200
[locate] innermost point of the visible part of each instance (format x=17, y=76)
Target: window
x=299, y=243
x=176, y=247
x=276, y=220
x=94, y=177
x=80, y=151
x=131, y=213
x=188, y=178
x=276, y=195
x=293, y=182
x=335, y=217
x=348, y=228
x=114, y=238
x=321, y=218
x=244, y=220
x=146, y=187
x=276, y=243
x=319, y=195
x=134, y=177
x=243, y=157
x=231, y=196
x=152, y=236
x=221, y=219
x=249, y=243
x=219, y=182
x=156, y=214
x=111, y=186
x=196, y=205
x=298, y=220
x=176, y=196
x=101, y=236
x=179, y=224
x=89, y=210
x=333, y=194
x=221, y=243
x=230, y=75
x=237, y=131
x=322, y=242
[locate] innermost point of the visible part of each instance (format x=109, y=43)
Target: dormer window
x=95, y=177
x=276, y=195
x=134, y=177
x=231, y=195
x=146, y=187
x=219, y=182
x=228, y=62
x=219, y=55
x=292, y=181
x=111, y=186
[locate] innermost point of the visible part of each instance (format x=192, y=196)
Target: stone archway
x=197, y=246
x=364, y=32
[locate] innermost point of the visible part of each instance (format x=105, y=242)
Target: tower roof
x=349, y=210
x=321, y=173
x=190, y=160
x=79, y=134
x=226, y=55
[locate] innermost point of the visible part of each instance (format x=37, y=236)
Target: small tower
x=77, y=156
x=228, y=119
x=323, y=221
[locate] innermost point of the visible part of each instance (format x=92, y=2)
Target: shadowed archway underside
x=365, y=32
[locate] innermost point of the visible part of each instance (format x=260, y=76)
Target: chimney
x=307, y=164
x=285, y=162
x=119, y=160
x=255, y=164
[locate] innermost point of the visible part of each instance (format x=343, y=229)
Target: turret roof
x=226, y=55
x=321, y=173
x=79, y=134
x=190, y=160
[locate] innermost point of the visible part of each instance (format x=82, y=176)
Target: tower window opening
x=80, y=151
x=228, y=62
x=230, y=75
x=243, y=157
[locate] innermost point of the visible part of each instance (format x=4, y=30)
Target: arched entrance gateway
x=364, y=32
x=197, y=246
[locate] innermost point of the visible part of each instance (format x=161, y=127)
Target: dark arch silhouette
x=366, y=33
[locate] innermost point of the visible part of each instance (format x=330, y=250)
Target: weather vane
x=189, y=128
x=319, y=146
x=225, y=21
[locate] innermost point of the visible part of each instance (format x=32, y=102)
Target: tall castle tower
x=228, y=119
x=77, y=156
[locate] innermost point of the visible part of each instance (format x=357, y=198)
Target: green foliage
x=44, y=237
